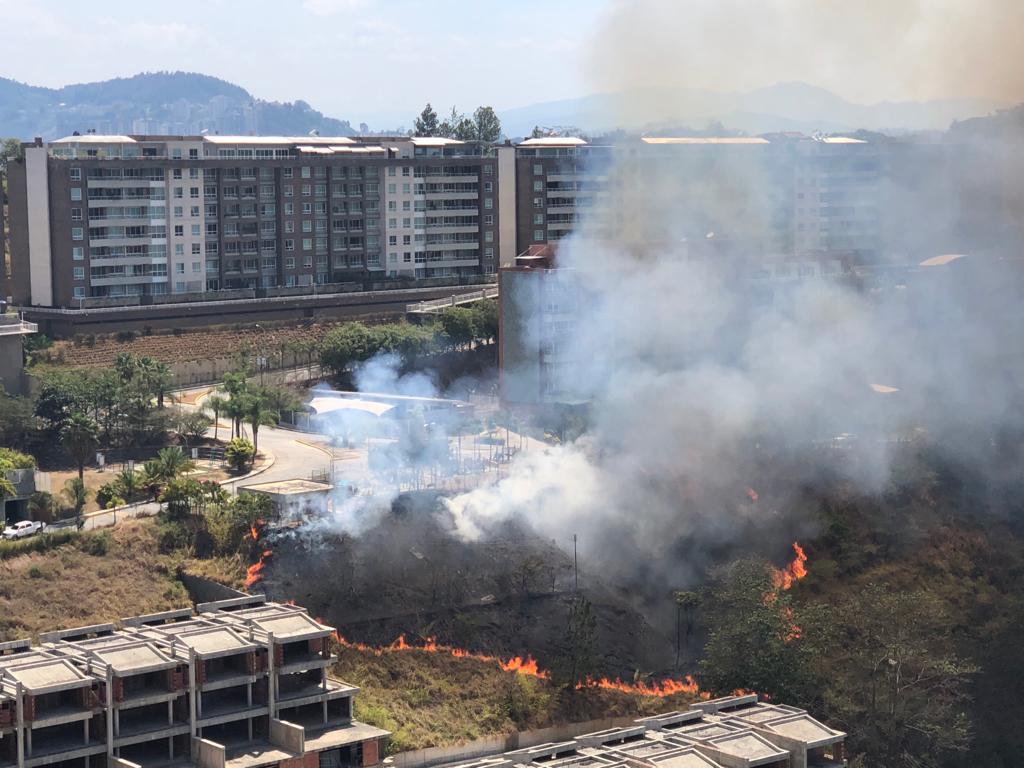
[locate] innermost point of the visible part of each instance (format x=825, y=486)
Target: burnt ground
x=506, y=595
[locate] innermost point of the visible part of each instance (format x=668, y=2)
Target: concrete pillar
x=271, y=676
x=193, y=694
x=19, y=722
x=112, y=720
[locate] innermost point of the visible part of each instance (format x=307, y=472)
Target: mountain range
x=190, y=103
x=169, y=103
x=780, y=107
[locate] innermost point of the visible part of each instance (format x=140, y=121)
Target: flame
x=254, y=573
x=794, y=632
x=527, y=665
x=752, y=494
x=784, y=578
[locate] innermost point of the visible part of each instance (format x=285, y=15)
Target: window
x=538, y=202
x=538, y=170
x=78, y=253
x=193, y=154
x=76, y=174
x=76, y=214
x=307, y=209
x=406, y=222
x=195, y=230
x=193, y=173
x=289, y=227
x=307, y=225
x=489, y=253
x=406, y=240
x=405, y=170
x=393, y=223
x=196, y=266
x=538, y=218
x=538, y=235
x=76, y=233
x=286, y=173
x=289, y=209
x=179, y=250
x=79, y=273
x=178, y=211
x=392, y=205
x=288, y=190
x=193, y=193
x=76, y=194
x=305, y=171
x=306, y=190
x=392, y=239
x=289, y=262
x=488, y=186
x=179, y=287
x=488, y=218
x=193, y=211
x=405, y=205
x=391, y=171
x=307, y=244
x=407, y=257
x=406, y=189
x=196, y=249
x=307, y=261
x=179, y=192
x=79, y=292
x=179, y=230
x=538, y=186
x=392, y=189
x=488, y=237
x=392, y=257
x=488, y=203
x=488, y=170
x=176, y=173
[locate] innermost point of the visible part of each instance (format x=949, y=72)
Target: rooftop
x=289, y=487
x=553, y=141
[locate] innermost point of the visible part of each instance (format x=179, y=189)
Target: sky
x=379, y=61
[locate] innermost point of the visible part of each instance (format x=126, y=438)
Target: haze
x=367, y=60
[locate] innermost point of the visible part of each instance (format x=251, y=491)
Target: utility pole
x=575, y=566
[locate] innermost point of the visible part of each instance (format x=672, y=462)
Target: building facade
x=100, y=217
x=240, y=684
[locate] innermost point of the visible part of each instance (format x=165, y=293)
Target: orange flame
x=528, y=666
x=254, y=573
x=784, y=578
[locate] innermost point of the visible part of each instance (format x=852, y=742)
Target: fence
x=436, y=305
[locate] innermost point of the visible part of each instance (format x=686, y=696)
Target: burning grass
x=431, y=695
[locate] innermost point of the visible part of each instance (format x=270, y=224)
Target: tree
x=459, y=327
x=183, y=496
x=257, y=414
x=77, y=496
x=128, y=483
x=152, y=477
x=464, y=129
x=426, y=124
x=7, y=491
x=686, y=604
x=577, y=661
x=190, y=426
x=485, y=320
x=447, y=126
x=487, y=125
x=898, y=678
x=239, y=453
x=17, y=420
x=10, y=149
x=757, y=638
x=172, y=462
x=347, y=344
x=42, y=506
x=80, y=437
x=217, y=405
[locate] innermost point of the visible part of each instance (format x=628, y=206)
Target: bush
x=125, y=336
x=42, y=542
x=12, y=459
x=239, y=453
x=106, y=493
x=95, y=544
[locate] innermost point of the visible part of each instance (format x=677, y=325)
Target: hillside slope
x=156, y=103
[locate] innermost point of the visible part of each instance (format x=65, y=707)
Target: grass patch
x=41, y=542
x=431, y=699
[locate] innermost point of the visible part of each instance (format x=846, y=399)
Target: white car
x=22, y=529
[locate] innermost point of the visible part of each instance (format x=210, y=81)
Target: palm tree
x=78, y=496
x=257, y=413
x=173, y=462
x=128, y=483
x=217, y=405
x=152, y=477
x=160, y=380
x=80, y=436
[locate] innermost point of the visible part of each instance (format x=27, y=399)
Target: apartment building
x=242, y=683
x=97, y=217
x=780, y=196
x=732, y=732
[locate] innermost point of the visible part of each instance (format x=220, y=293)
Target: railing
x=436, y=305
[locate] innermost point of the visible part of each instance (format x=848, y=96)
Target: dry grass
x=69, y=586
x=431, y=699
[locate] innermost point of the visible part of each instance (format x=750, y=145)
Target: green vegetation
x=12, y=459
x=456, y=328
x=239, y=453
x=484, y=125
x=432, y=699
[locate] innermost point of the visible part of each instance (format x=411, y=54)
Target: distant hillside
x=155, y=103
x=780, y=107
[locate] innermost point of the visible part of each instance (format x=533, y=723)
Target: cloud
x=331, y=7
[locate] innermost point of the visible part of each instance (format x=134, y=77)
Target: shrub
x=35, y=572
x=41, y=543
x=107, y=492
x=12, y=459
x=95, y=544
x=239, y=453
x=125, y=336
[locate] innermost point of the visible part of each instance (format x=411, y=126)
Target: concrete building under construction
x=732, y=732
x=240, y=683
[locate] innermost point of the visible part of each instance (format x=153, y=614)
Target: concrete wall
x=203, y=590
x=38, y=205
x=492, y=745
x=10, y=363
x=207, y=754
x=288, y=736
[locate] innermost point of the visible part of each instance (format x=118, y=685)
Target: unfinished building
x=239, y=684
x=733, y=732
